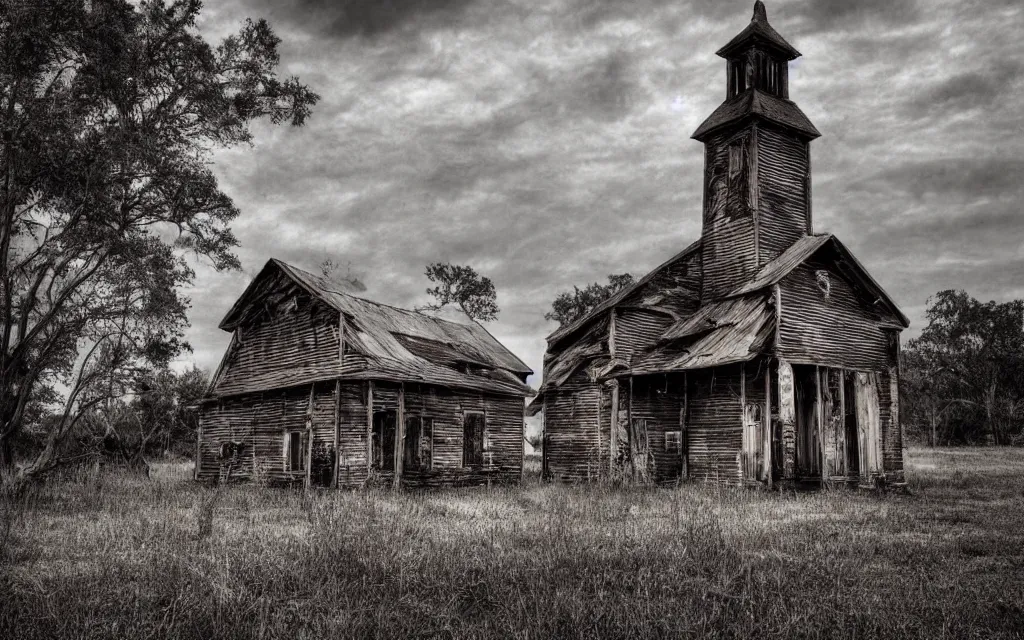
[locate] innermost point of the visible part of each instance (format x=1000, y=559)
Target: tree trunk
x=990, y=401
x=934, y=438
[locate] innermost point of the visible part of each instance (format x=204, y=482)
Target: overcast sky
x=546, y=143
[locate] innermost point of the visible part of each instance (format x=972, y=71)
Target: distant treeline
x=963, y=377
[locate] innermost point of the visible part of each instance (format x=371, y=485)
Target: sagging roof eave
x=597, y=312
x=661, y=371
x=526, y=392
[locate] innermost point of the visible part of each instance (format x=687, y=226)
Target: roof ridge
x=375, y=302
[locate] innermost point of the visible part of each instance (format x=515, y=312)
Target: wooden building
x=763, y=352
x=324, y=388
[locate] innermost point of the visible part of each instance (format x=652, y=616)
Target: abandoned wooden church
x=324, y=388
x=762, y=353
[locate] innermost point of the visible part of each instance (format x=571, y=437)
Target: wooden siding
x=783, y=207
x=301, y=343
x=728, y=238
x=714, y=425
x=658, y=401
x=353, y=434
x=258, y=422
x=637, y=330
x=840, y=331
x=573, y=447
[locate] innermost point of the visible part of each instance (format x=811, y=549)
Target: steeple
x=757, y=161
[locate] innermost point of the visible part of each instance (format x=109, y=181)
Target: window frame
x=289, y=450
x=677, y=435
x=483, y=439
x=420, y=439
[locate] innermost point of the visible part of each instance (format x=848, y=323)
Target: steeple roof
x=757, y=103
x=761, y=32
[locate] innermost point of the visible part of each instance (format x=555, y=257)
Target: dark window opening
x=850, y=424
x=295, y=443
x=473, y=428
x=383, y=445
x=419, y=443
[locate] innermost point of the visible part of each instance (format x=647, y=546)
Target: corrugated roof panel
x=729, y=343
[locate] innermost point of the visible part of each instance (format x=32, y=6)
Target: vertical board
x=787, y=418
x=868, y=424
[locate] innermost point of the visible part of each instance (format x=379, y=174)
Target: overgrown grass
x=113, y=556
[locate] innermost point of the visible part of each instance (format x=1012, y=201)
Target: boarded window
x=295, y=450
x=419, y=432
x=673, y=441
x=383, y=445
x=473, y=428
x=638, y=437
x=735, y=159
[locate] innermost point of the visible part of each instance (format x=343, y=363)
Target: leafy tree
x=157, y=418
x=109, y=111
x=463, y=287
x=570, y=306
x=966, y=370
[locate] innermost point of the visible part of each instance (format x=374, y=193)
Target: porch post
x=766, y=446
x=369, y=426
x=787, y=419
x=400, y=435
x=337, y=433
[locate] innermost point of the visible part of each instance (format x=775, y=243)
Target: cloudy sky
x=546, y=143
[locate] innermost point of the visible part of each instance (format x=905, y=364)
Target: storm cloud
x=546, y=143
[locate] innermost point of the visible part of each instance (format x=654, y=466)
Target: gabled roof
x=562, y=332
x=761, y=32
x=777, y=269
x=754, y=102
x=401, y=344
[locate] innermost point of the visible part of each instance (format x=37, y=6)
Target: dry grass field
x=109, y=556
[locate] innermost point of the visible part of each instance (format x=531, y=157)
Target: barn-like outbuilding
x=321, y=387
x=763, y=353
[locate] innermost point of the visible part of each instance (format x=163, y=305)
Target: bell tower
x=757, y=163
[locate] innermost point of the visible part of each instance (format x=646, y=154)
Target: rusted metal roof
x=382, y=324
x=562, y=332
x=757, y=103
x=744, y=332
x=715, y=315
x=801, y=250
x=395, y=344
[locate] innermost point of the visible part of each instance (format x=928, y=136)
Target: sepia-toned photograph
x=533, y=319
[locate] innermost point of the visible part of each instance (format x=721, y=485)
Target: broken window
x=383, y=445
x=295, y=450
x=419, y=433
x=473, y=435
x=673, y=441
